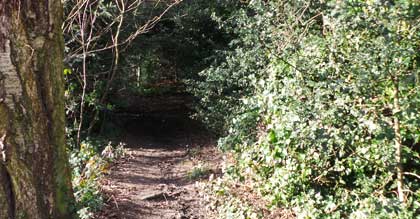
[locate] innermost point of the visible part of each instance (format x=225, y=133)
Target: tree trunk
x=398, y=142
x=34, y=174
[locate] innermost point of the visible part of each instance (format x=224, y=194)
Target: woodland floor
x=155, y=178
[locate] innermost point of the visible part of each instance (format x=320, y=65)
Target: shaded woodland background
x=316, y=103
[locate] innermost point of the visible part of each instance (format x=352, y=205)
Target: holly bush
x=319, y=103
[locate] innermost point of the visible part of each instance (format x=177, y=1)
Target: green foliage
x=307, y=99
x=89, y=164
x=90, y=30
x=154, y=63
x=222, y=85
x=235, y=203
x=198, y=171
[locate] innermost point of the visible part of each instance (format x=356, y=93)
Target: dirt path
x=157, y=178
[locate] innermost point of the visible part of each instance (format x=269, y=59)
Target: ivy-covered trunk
x=34, y=174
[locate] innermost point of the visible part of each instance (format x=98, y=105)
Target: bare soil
x=167, y=153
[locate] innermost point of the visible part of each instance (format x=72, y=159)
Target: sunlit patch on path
x=166, y=156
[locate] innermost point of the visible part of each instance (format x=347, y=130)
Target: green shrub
x=198, y=171
x=89, y=164
x=310, y=97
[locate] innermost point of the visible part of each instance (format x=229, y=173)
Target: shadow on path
x=152, y=181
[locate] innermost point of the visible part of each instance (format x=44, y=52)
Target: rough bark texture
x=34, y=175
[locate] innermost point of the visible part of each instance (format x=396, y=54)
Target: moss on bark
x=32, y=106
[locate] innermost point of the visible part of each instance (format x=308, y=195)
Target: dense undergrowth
x=317, y=102
x=89, y=164
x=319, y=105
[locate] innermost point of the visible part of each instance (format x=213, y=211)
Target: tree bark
x=398, y=142
x=34, y=174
